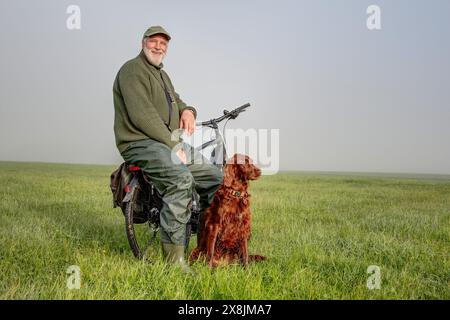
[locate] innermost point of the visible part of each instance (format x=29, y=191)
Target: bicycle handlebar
x=227, y=114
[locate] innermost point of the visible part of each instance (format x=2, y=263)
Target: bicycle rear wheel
x=141, y=233
x=142, y=221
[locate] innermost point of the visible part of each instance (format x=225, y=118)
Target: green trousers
x=175, y=182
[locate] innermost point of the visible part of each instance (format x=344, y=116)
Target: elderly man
x=147, y=112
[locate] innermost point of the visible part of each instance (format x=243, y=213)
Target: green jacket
x=141, y=110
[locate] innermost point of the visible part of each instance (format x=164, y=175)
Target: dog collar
x=236, y=193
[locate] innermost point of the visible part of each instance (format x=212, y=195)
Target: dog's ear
x=229, y=174
x=230, y=169
x=243, y=167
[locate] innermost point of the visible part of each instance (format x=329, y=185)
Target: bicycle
x=142, y=202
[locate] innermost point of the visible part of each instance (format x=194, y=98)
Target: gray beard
x=153, y=60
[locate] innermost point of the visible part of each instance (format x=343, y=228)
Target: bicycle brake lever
x=233, y=115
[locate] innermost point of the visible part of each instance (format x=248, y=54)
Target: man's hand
x=187, y=121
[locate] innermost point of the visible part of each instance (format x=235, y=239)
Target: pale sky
x=343, y=97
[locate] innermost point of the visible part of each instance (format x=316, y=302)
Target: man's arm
x=135, y=92
x=182, y=106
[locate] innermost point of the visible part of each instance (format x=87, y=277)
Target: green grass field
x=320, y=232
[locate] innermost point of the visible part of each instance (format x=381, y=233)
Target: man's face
x=155, y=48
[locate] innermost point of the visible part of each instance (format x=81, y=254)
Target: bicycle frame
x=219, y=153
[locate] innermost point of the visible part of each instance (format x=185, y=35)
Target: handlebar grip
x=238, y=109
x=226, y=114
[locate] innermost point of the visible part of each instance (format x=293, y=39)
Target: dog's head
x=240, y=168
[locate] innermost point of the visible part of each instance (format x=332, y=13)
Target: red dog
x=226, y=226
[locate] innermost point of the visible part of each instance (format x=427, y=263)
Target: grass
x=320, y=232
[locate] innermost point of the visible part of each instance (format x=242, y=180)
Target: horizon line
x=325, y=172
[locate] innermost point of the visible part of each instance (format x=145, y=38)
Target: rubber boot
x=174, y=254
